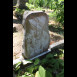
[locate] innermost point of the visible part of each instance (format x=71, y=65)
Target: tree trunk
x=21, y=4
x=14, y=2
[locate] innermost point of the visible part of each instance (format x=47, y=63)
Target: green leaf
x=42, y=71
x=48, y=74
x=56, y=66
x=61, y=62
x=30, y=69
x=49, y=69
x=17, y=66
x=53, y=61
x=27, y=74
x=49, y=56
x=37, y=61
x=37, y=74
x=23, y=75
x=44, y=61
x=36, y=67
x=61, y=74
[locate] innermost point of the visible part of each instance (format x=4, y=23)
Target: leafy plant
x=50, y=66
x=61, y=74
x=59, y=11
x=56, y=5
x=43, y=73
x=20, y=11
x=37, y=61
x=17, y=66
x=30, y=6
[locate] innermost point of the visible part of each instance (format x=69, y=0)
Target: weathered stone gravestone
x=36, y=35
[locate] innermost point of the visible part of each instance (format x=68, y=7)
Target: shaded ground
x=56, y=30
x=18, y=36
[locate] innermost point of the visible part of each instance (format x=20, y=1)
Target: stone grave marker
x=36, y=35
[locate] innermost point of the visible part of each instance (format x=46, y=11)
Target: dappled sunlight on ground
x=17, y=44
x=52, y=22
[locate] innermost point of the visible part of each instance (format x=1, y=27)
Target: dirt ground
x=18, y=38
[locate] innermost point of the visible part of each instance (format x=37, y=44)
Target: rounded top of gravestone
x=28, y=13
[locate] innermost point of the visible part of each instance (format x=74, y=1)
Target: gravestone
x=36, y=35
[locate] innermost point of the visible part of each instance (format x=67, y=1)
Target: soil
x=18, y=37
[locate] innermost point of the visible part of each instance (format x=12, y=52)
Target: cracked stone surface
x=36, y=36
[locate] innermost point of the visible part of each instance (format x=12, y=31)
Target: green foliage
x=30, y=69
x=33, y=67
x=36, y=2
x=60, y=12
x=56, y=5
x=27, y=74
x=41, y=3
x=30, y=6
x=20, y=11
x=49, y=56
x=43, y=72
x=17, y=66
x=37, y=61
x=46, y=67
x=62, y=53
x=44, y=3
x=61, y=74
